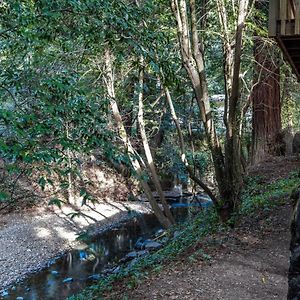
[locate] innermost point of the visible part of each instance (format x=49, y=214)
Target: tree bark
x=233, y=166
x=266, y=118
x=147, y=150
x=109, y=81
x=227, y=167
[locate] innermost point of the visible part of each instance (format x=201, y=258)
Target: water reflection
x=79, y=268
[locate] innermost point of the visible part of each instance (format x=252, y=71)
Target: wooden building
x=284, y=25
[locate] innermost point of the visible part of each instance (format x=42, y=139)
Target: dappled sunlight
x=65, y=234
x=52, y=231
x=82, y=216
x=43, y=232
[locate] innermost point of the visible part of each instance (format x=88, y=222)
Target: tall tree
x=266, y=118
x=227, y=162
x=164, y=217
x=266, y=101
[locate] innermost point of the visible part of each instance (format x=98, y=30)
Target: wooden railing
x=284, y=17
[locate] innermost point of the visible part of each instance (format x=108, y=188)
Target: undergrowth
x=257, y=196
x=261, y=196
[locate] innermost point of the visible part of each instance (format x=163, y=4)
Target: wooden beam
x=297, y=17
x=283, y=16
x=273, y=17
x=288, y=57
x=293, y=7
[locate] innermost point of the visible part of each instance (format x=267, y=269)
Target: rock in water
x=68, y=280
x=296, y=143
x=4, y=293
x=132, y=255
x=139, y=243
x=82, y=255
x=152, y=245
x=95, y=277
x=54, y=273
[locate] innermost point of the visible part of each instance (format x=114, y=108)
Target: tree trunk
x=109, y=81
x=231, y=191
x=227, y=167
x=182, y=150
x=266, y=104
x=147, y=150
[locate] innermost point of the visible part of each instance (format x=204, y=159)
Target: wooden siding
x=284, y=25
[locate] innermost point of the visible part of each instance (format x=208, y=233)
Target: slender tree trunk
x=228, y=168
x=71, y=193
x=147, y=150
x=233, y=163
x=109, y=80
x=193, y=61
x=182, y=150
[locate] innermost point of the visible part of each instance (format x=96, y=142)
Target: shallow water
x=79, y=268
x=76, y=266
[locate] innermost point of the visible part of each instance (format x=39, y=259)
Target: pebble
x=3, y=293
x=152, y=245
x=54, y=273
x=95, y=277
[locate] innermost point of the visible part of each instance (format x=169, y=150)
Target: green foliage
x=199, y=254
x=3, y=196
x=57, y=202
x=259, y=196
x=190, y=232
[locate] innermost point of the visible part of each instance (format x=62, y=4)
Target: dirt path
x=249, y=264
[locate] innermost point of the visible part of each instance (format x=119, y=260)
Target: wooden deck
x=284, y=25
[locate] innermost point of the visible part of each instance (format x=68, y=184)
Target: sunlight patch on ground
x=43, y=232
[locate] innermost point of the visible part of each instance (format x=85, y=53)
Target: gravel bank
x=28, y=241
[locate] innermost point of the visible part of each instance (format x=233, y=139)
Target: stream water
x=79, y=268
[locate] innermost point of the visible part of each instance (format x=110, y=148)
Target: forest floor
x=248, y=262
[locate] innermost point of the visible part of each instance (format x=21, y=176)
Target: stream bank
x=114, y=244
x=30, y=239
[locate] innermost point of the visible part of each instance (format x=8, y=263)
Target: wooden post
x=273, y=17
x=283, y=16
x=297, y=17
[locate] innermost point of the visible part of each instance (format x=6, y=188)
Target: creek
x=79, y=268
